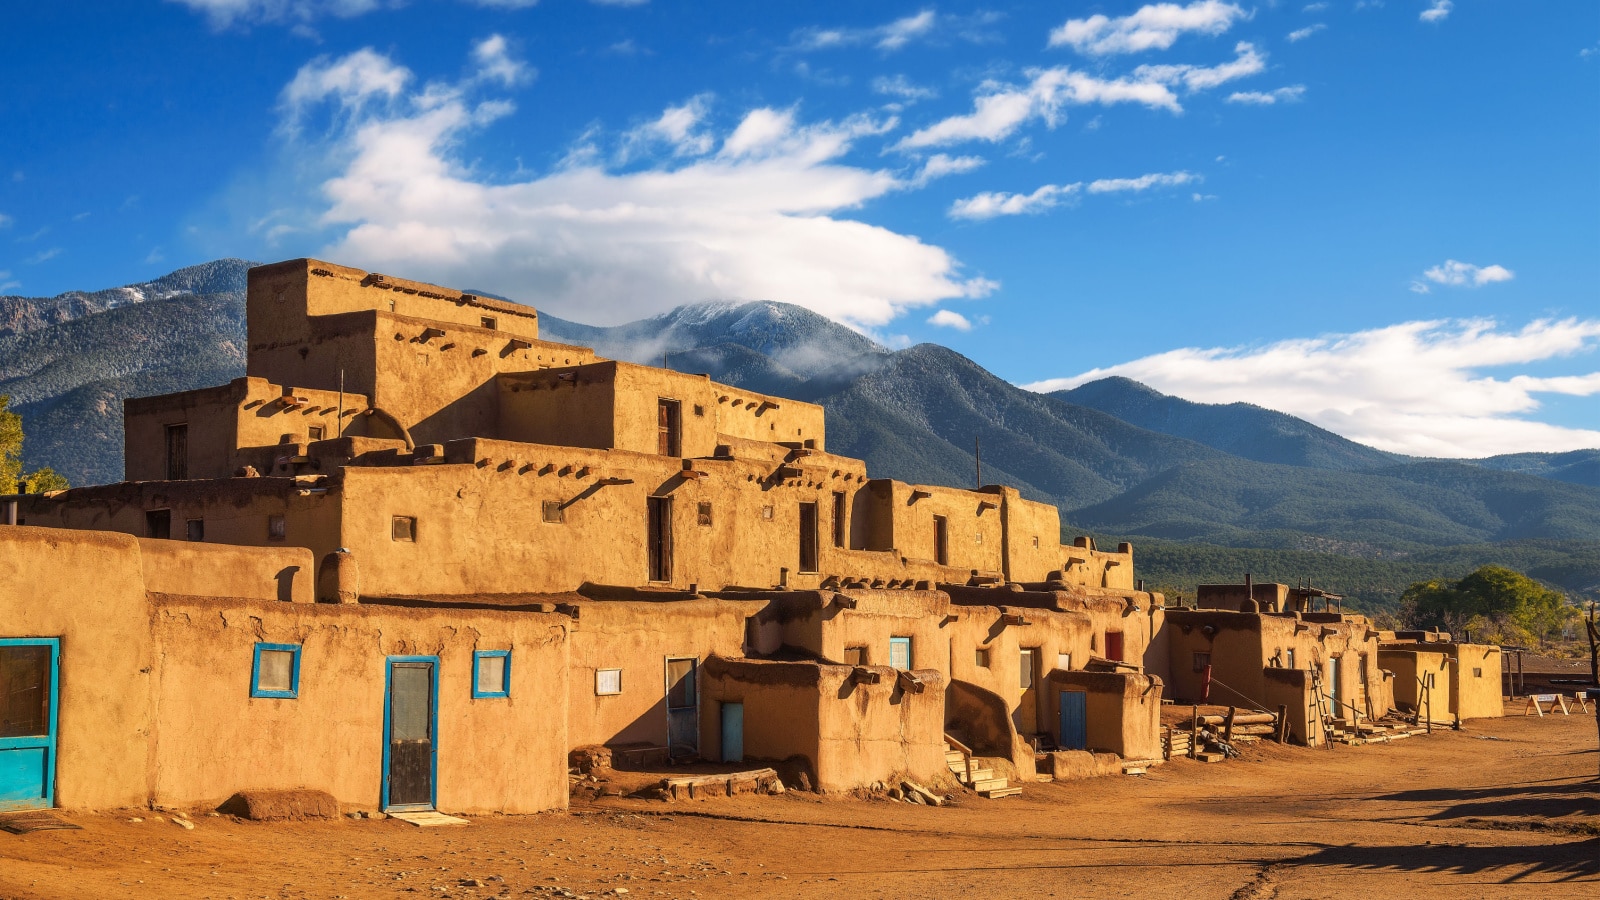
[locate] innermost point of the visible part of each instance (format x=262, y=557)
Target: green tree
x=1491, y=600
x=12, y=479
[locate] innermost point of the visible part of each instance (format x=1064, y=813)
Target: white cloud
x=352, y=80
x=999, y=110
x=44, y=255
x=1142, y=183
x=1250, y=61
x=990, y=204
x=900, y=86
x=495, y=63
x=1290, y=94
x=1153, y=27
x=680, y=127
x=939, y=165
x=760, y=214
x=889, y=37
x=1438, y=12
x=1314, y=7
x=945, y=318
x=1459, y=274
x=224, y=13
x=1300, y=34
x=1415, y=387
x=5, y=221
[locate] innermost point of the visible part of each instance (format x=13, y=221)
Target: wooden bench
x=1536, y=701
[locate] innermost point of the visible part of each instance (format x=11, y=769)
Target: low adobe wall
x=213, y=570
x=1291, y=689
x=1123, y=710
x=852, y=734
x=983, y=718
x=1477, y=688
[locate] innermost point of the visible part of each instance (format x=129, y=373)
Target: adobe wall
x=973, y=529
x=1123, y=710
x=277, y=574
x=1477, y=687
x=494, y=755
x=86, y=588
x=747, y=415
x=828, y=623
x=1082, y=563
x=572, y=406
x=1291, y=689
x=1032, y=535
x=1411, y=666
x=639, y=637
x=1050, y=634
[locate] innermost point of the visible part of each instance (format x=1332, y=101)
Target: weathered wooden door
x=659, y=537
x=808, y=537
x=1074, y=720
x=411, y=747
x=732, y=732
x=29, y=669
x=1114, y=646
x=1336, y=686
x=1027, y=716
x=683, y=708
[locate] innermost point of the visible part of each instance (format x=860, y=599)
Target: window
x=316, y=432
x=491, y=674
x=1064, y=661
x=1036, y=542
x=403, y=528
x=900, y=652
x=977, y=537
x=1114, y=646
x=1477, y=672
x=703, y=513
x=1202, y=661
x=839, y=519
x=668, y=414
x=766, y=512
x=855, y=656
x=276, y=672
x=941, y=541
x=277, y=528
x=487, y=322
x=660, y=538
x=699, y=410
x=158, y=523
x=808, y=537
x=553, y=513
x=195, y=530
x=982, y=658
x=1027, y=661
x=178, y=451
x=607, y=682
x=1289, y=655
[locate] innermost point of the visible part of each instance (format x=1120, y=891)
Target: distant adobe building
x=416, y=555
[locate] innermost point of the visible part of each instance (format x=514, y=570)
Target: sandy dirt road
x=1507, y=808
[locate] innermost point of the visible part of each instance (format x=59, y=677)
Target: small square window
x=316, y=432
x=196, y=530
x=277, y=528
x=1036, y=542
x=977, y=538
x=982, y=657
x=487, y=322
x=553, y=513
x=704, y=513
x=1477, y=672
x=607, y=682
x=276, y=671
x=1064, y=661
x=491, y=674
x=158, y=523
x=699, y=410
x=404, y=528
x=855, y=656
x=1201, y=661
x=766, y=512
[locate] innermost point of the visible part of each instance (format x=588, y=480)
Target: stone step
x=988, y=784
x=997, y=793
x=953, y=756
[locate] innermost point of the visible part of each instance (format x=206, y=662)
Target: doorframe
x=21, y=743
x=433, y=727
x=666, y=697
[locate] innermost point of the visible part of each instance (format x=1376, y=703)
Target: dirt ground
x=1506, y=808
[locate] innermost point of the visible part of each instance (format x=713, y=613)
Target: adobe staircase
x=974, y=775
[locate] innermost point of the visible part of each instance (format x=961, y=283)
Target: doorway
x=669, y=420
x=941, y=540
x=1114, y=646
x=660, y=538
x=1027, y=718
x=410, y=725
x=733, y=732
x=29, y=675
x=808, y=537
x=1336, y=685
x=1074, y=720
x=683, y=708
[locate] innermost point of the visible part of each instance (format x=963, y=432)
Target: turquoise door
x=733, y=732
x=28, y=709
x=1074, y=720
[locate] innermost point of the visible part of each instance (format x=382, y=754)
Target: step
x=997, y=793
x=1209, y=757
x=1133, y=770
x=977, y=775
x=988, y=784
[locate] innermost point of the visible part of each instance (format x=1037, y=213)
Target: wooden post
x=1194, y=733
x=1283, y=724
x=1427, y=698
x=1227, y=732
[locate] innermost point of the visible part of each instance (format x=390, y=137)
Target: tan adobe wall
x=828, y=624
x=973, y=524
x=1050, y=634
x=1291, y=689
x=862, y=733
x=1477, y=688
x=639, y=638
x=1032, y=531
x=494, y=755
x=1084, y=564
x=745, y=414
x=1123, y=710
x=1411, y=667
x=86, y=589
x=1271, y=596
x=571, y=406
x=279, y=574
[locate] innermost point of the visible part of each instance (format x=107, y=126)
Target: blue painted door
x=29, y=669
x=1074, y=720
x=411, y=729
x=733, y=732
x=900, y=653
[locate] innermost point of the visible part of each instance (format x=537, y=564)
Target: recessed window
x=403, y=528
x=276, y=672
x=982, y=657
x=158, y=523
x=491, y=674
x=195, y=530
x=1064, y=661
x=277, y=528
x=1477, y=672
x=1203, y=660
x=766, y=512
x=316, y=432
x=487, y=322
x=900, y=653
x=607, y=682
x=855, y=656
x=1036, y=541
x=553, y=513
x=977, y=538
x=1027, y=663
x=699, y=410
x=1290, y=657
x=703, y=513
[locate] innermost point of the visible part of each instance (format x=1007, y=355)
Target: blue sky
x=1381, y=216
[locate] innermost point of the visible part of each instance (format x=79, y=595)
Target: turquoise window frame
x=477, y=656
x=293, y=692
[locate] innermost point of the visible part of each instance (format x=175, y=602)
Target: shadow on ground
x=1550, y=799
x=1576, y=861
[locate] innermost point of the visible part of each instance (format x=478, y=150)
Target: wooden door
x=808, y=537
x=29, y=669
x=683, y=708
x=1114, y=646
x=177, y=452
x=732, y=732
x=668, y=424
x=660, y=538
x=1074, y=720
x=941, y=540
x=411, y=725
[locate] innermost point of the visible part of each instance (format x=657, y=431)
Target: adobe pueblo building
x=417, y=555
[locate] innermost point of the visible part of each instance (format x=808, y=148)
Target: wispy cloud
x=492, y=55
x=900, y=86
x=1142, y=183
x=1438, y=12
x=1153, y=27
x=1417, y=387
x=300, y=13
x=1300, y=34
x=946, y=318
x=679, y=127
x=1454, y=273
x=940, y=165
x=1000, y=109
x=990, y=204
x=7, y=282
x=887, y=37
x=1249, y=61
x=352, y=81
x=758, y=211
x=44, y=255
x=1290, y=94
x=5, y=221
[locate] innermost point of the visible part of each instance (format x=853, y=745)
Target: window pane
x=900, y=653
x=411, y=702
x=680, y=684
x=608, y=681
x=276, y=672
x=24, y=691
x=1027, y=669
x=491, y=674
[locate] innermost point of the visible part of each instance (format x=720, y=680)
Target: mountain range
x=1204, y=489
